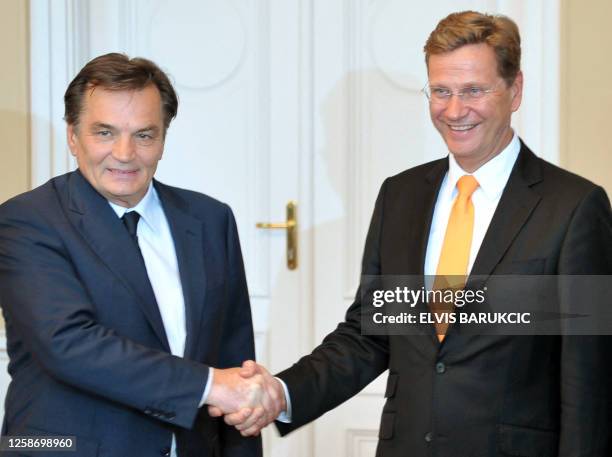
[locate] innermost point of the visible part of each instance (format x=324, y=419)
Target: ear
x=72, y=139
x=517, y=91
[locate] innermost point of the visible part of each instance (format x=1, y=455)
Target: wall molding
x=355, y=440
x=58, y=46
x=538, y=120
x=355, y=153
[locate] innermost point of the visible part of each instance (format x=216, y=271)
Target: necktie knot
x=466, y=185
x=130, y=220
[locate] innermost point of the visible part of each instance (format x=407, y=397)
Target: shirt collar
x=148, y=208
x=493, y=175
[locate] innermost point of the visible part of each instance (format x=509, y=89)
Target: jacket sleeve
x=586, y=371
x=49, y=309
x=346, y=361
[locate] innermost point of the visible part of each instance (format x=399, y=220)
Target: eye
x=475, y=92
x=145, y=137
x=104, y=133
x=440, y=92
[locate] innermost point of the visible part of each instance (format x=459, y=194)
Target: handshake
x=249, y=397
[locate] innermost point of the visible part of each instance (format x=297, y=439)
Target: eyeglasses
x=441, y=95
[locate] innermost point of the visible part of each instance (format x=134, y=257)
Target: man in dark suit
x=490, y=208
x=119, y=292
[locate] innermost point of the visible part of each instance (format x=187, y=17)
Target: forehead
x=469, y=63
x=103, y=105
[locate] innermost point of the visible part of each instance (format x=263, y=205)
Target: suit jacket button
x=440, y=367
x=165, y=452
x=429, y=437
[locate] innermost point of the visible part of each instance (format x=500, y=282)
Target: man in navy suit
x=119, y=292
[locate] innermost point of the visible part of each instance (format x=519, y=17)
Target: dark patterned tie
x=130, y=220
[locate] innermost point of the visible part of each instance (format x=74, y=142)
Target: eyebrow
x=150, y=128
x=102, y=125
x=466, y=84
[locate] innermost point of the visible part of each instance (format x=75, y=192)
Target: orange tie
x=455, y=254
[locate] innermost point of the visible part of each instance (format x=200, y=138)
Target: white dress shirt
x=159, y=254
x=492, y=178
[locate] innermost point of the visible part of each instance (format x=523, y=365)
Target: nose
x=123, y=149
x=455, y=108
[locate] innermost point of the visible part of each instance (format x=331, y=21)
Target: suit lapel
x=517, y=202
x=415, y=239
x=188, y=241
x=434, y=179
x=96, y=221
x=426, y=210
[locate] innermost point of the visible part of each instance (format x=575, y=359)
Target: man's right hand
x=231, y=392
x=251, y=418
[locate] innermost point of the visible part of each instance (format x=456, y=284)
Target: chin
x=122, y=191
x=460, y=150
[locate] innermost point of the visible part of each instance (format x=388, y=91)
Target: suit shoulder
x=418, y=172
x=33, y=202
x=415, y=176
x=35, y=217
x=563, y=177
x=199, y=203
x=562, y=184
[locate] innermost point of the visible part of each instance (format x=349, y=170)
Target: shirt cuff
x=285, y=416
x=209, y=383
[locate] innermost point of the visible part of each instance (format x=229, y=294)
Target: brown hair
x=116, y=71
x=470, y=27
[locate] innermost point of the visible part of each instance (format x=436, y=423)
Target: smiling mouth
x=118, y=172
x=461, y=128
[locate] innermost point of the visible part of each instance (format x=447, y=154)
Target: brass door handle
x=291, y=225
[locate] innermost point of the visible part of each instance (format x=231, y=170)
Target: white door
x=309, y=100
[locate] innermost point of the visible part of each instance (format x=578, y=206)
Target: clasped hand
x=248, y=397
